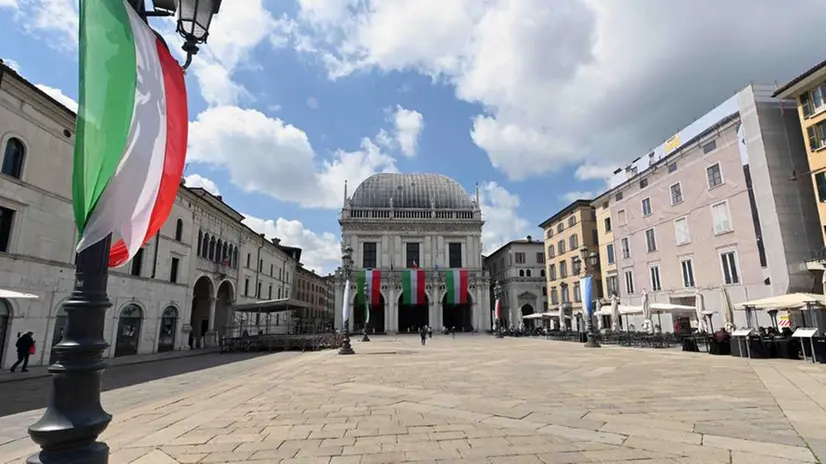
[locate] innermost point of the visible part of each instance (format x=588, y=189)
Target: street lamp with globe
x=589, y=260
x=74, y=418
x=347, y=267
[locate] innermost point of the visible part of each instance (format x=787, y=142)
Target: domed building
x=408, y=232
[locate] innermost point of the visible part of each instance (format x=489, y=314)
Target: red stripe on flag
x=420, y=293
x=463, y=288
x=177, y=126
x=375, y=287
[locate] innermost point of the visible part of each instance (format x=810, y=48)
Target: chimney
x=530, y=239
x=219, y=197
x=276, y=241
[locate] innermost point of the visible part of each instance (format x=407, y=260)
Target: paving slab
x=472, y=399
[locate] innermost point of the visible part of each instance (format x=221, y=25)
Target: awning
x=671, y=308
x=12, y=295
x=624, y=310
x=540, y=315
x=271, y=306
x=789, y=301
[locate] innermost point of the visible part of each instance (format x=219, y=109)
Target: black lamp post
x=497, y=294
x=589, y=260
x=347, y=267
x=74, y=418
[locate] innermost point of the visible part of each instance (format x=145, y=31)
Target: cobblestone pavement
x=474, y=399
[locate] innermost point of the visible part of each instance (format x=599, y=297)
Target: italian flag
x=413, y=287
x=457, y=286
x=369, y=283
x=131, y=130
x=498, y=309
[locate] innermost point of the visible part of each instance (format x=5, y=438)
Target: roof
x=797, y=80
x=521, y=241
x=6, y=69
x=415, y=191
x=271, y=306
x=566, y=211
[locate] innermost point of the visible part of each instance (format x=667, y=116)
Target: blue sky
x=534, y=101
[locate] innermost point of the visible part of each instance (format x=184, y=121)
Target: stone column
x=210, y=338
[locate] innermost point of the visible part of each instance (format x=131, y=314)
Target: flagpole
x=74, y=417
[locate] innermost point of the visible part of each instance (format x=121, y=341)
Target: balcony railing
x=389, y=213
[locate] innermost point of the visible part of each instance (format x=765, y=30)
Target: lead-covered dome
x=410, y=191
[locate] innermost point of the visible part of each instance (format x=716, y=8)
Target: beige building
x=176, y=294
x=569, y=234
x=607, y=253
x=519, y=268
x=311, y=288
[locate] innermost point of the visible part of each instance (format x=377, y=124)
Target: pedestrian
x=25, y=348
x=453, y=331
x=429, y=332
x=423, y=334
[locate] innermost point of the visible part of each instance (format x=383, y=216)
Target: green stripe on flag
x=450, y=284
x=361, y=279
x=106, y=90
x=407, y=296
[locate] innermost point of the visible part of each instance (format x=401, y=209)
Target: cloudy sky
x=534, y=101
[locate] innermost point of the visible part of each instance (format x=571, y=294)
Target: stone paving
x=472, y=399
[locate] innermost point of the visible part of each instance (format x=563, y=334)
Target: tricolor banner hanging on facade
x=131, y=133
x=369, y=283
x=587, y=303
x=498, y=309
x=413, y=287
x=456, y=282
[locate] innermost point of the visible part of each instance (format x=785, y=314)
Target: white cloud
x=58, y=19
x=569, y=82
x=58, y=95
x=409, y=125
x=502, y=222
x=8, y=3
x=267, y=155
x=8, y=62
x=197, y=180
x=320, y=252
x=571, y=197
x=312, y=103
x=594, y=171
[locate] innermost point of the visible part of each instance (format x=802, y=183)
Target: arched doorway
x=413, y=317
x=458, y=316
x=527, y=310
x=57, y=334
x=376, y=323
x=169, y=325
x=223, y=309
x=129, y=330
x=5, y=325
x=199, y=319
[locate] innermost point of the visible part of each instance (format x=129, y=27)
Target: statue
x=391, y=202
x=432, y=203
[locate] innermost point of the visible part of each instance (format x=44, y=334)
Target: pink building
x=717, y=205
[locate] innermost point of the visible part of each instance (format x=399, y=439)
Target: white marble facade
x=159, y=290
x=393, y=220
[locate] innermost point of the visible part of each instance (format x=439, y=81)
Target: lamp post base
x=345, y=345
x=365, y=338
x=592, y=341
x=95, y=453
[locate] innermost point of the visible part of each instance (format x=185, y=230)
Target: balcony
x=222, y=268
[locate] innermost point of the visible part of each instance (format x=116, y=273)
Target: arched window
x=179, y=229
x=129, y=331
x=235, y=257
x=528, y=273
x=169, y=324
x=13, y=157
x=521, y=273
x=225, y=253
x=200, y=241
x=205, y=246
x=542, y=273
x=211, y=248
x=218, y=248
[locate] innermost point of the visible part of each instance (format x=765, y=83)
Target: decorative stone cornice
x=369, y=227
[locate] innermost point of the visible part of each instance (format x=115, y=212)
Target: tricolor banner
x=456, y=281
x=131, y=132
x=413, y=287
x=498, y=309
x=585, y=284
x=369, y=283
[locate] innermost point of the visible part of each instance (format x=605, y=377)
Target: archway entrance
x=413, y=317
x=129, y=331
x=169, y=325
x=223, y=305
x=527, y=310
x=57, y=334
x=458, y=316
x=376, y=323
x=199, y=320
x=5, y=325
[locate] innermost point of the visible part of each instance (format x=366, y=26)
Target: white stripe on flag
x=414, y=287
x=126, y=204
x=345, y=307
x=457, y=284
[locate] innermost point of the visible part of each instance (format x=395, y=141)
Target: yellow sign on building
x=672, y=144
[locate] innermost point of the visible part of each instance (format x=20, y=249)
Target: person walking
x=453, y=331
x=25, y=348
x=423, y=334
x=429, y=332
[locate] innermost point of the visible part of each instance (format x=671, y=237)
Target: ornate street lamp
x=497, y=293
x=589, y=260
x=74, y=418
x=347, y=267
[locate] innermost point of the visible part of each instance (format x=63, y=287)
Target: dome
x=410, y=191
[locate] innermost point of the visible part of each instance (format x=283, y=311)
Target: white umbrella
x=647, y=325
x=699, y=306
x=615, y=315
x=727, y=310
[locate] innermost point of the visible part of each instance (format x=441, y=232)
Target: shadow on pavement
x=29, y=394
